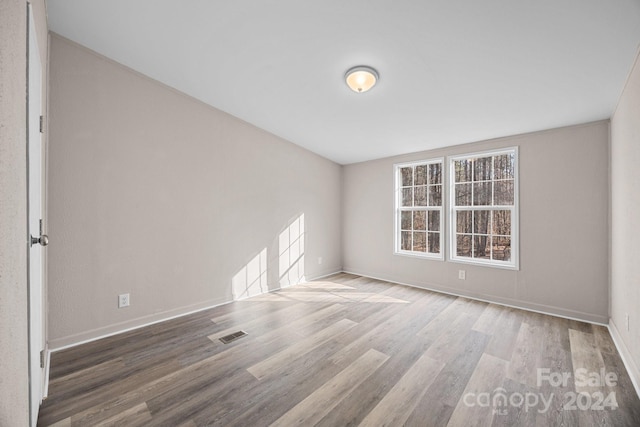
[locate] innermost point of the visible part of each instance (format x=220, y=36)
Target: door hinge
x=41, y=358
x=41, y=124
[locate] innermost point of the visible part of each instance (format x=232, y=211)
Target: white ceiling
x=451, y=71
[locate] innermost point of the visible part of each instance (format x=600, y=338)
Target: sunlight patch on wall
x=251, y=280
x=291, y=253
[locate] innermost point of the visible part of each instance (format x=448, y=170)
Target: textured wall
x=14, y=371
x=563, y=226
x=625, y=224
x=155, y=194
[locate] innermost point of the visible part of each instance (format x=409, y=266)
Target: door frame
x=36, y=312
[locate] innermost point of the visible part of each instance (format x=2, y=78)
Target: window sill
x=433, y=257
x=502, y=266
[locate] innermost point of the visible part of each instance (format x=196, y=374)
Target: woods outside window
x=484, y=208
x=418, y=201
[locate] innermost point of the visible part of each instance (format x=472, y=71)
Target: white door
x=36, y=306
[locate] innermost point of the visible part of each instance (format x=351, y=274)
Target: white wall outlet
x=626, y=315
x=462, y=275
x=123, y=300
x=319, y=260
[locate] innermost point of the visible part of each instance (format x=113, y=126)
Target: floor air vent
x=232, y=337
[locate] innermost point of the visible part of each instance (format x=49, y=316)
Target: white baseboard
x=322, y=276
x=130, y=325
x=625, y=355
x=535, y=308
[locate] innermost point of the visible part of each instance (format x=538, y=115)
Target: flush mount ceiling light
x=361, y=78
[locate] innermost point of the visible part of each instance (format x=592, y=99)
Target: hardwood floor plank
x=354, y=408
x=249, y=326
x=319, y=403
x=488, y=320
x=397, y=405
x=304, y=316
x=604, y=342
x=507, y=415
x=223, y=376
x=527, y=354
x=188, y=401
x=580, y=326
x=587, y=361
x=182, y=381
x=267, y=319
x=120, y=383
x=555, y=360
x=326, y=286
x=625, y=394
x=451, y=339
x=62, y=423
x=444, y=319
x=311, y=358
x=390, y=333
x=247, y=310
x=279, y=361
x=585, y=355
x=364, y=314
x=308, y=296
x=128, y=343
x=267, y=400
x=137, y=416
x=364, y=283
x=488, y=376
x=84, y=379
x=504, y=337
x=439, y=402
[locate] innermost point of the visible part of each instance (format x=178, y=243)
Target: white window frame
x=514, y=263
x=397, y=195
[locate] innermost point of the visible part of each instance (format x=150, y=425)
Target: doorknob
x=43, y=240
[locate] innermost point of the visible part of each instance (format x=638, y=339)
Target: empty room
x=363, y=213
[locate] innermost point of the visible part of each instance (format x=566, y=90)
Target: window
x=484, y=208
x=418, y=201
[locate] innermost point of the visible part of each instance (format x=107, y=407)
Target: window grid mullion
x=510, y=176
x=415, y=208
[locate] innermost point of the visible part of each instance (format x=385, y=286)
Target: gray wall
x=14, y=370
x=156, y=194
x=625, y=223
x=564, y=189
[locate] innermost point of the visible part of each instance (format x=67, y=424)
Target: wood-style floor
x=347, y=351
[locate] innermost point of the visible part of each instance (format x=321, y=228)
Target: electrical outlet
x=123, y=300
x=627, y=319
x=319, y=260
x=462, y=275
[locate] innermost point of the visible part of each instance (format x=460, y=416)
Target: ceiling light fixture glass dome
x=361, y=78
